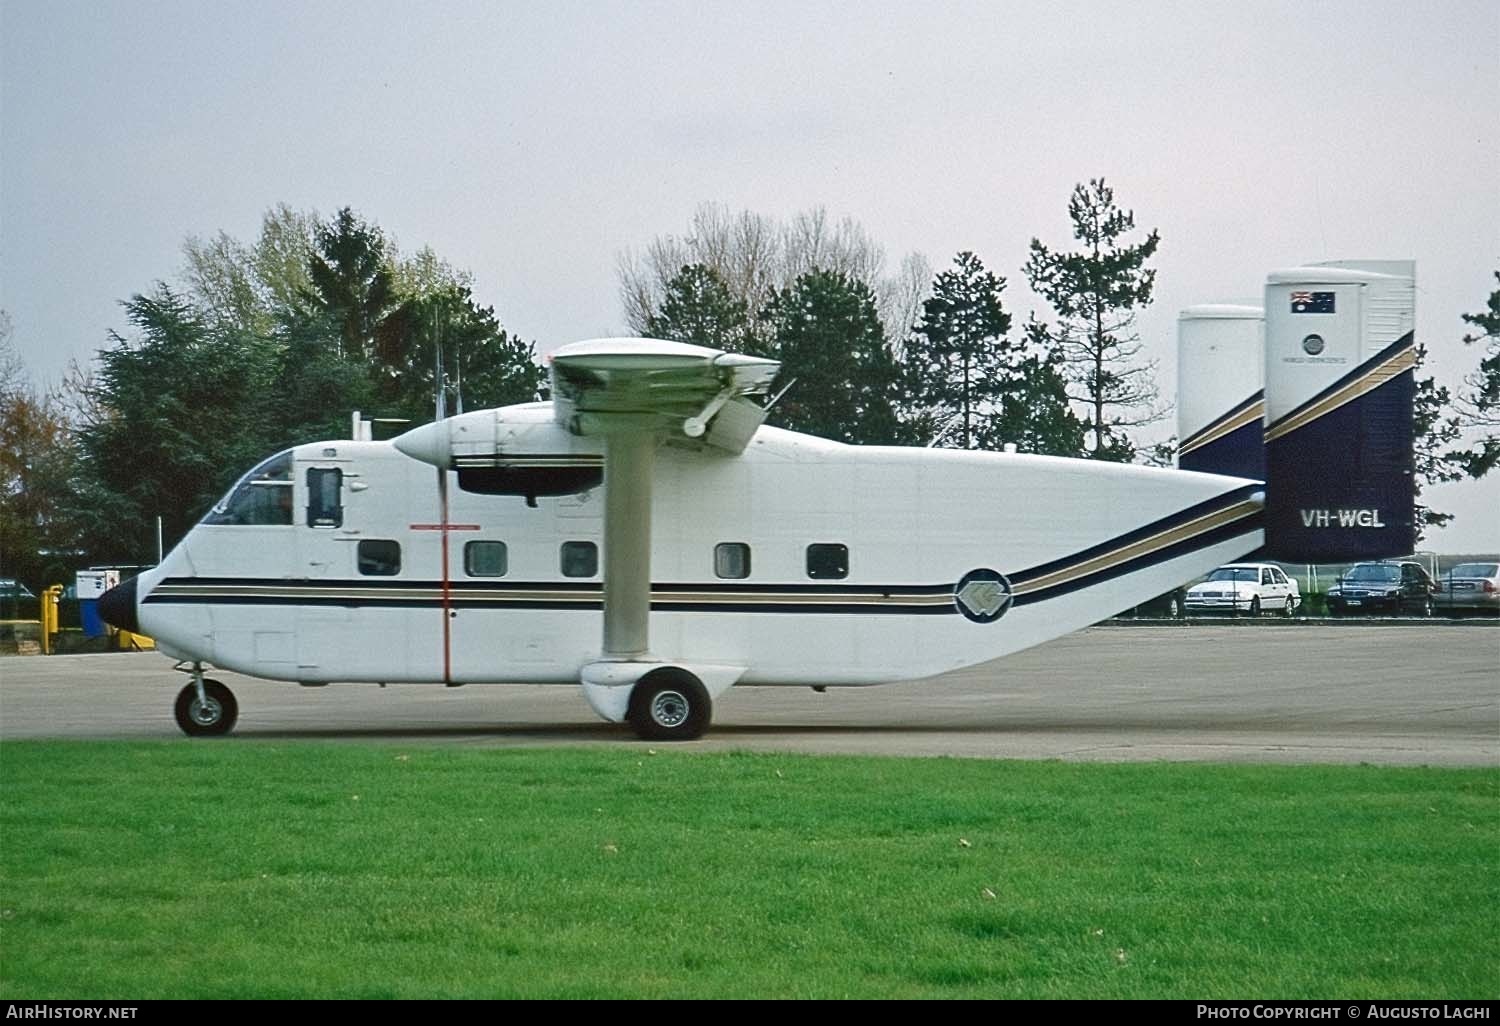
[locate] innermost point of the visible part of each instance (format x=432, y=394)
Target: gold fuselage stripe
x=1213, y=433
x=1398, y=364
x=1145, y=546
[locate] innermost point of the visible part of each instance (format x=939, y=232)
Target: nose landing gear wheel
x=669, y=705
x=211, y=717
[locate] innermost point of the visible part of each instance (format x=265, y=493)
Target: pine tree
x=351, y=279
x=1479, y=404
x=483, y=364
x=1034, y=414
x=827, y=334
x=1433, y=431
x=957, y=362
x=1096, y=292
x=181, y=414
x=967, y=385
x=697, y=307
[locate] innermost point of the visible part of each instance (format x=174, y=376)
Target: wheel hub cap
x=669, y=709
x=206, y=713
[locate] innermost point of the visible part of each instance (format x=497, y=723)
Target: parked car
x=1388, y=587
x=1167, y=606
x=13, y=589
x=1470, y=588
x=16, y=600
x=1249, y=588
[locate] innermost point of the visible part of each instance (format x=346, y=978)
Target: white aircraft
x=647, y=506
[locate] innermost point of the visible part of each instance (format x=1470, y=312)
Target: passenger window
x=486, y=559
x=828, y=561
x=324, y=497
x=262, y=497
x=1265, y=577
x=379, y=558
x=580, y=559
x=732, y=560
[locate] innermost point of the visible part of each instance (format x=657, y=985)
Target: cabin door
x=325, y=548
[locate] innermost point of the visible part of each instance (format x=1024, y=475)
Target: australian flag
x=1312, y=302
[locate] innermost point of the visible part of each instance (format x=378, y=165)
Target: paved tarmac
x=1392, y=694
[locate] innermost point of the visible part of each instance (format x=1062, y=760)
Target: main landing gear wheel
x=669, y=705
x=213, y=716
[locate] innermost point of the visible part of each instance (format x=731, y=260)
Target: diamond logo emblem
x=983, y=595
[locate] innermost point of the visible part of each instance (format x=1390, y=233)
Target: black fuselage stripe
x=1239, y=410
x=571, y=587
x=593, y=604
x=1166, y=524
x=1380, y=358
x=718, y=596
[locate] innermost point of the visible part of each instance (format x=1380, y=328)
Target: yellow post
x=51, y=599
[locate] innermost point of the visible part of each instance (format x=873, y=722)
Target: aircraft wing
x=690, y=393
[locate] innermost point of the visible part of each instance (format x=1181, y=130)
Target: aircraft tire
x=213, y=720
x=669, y=705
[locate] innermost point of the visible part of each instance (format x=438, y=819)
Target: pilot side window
x=732, y=560
x=325, y=506
x=378, y=558
x=486, y=559
x=580, y=559
x=262, y=497
x=827, y=561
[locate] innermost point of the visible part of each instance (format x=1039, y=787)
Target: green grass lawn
x=256, y=869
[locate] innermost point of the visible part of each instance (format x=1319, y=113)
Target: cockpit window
x=263, y=496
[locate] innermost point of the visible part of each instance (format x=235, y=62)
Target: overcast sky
x=530, y=143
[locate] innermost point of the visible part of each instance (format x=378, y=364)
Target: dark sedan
x=1392, y=588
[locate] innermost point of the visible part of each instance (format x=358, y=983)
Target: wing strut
x=629, y=464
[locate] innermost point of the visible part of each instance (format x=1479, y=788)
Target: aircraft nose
x=117, y=607
x=428, y=443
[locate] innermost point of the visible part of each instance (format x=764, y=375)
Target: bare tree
x=900, y=299
x=755, y=257
x=12, y=374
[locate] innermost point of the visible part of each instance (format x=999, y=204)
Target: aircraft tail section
x=1339, y=392
x=1231, y=444
x=1220, y=403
